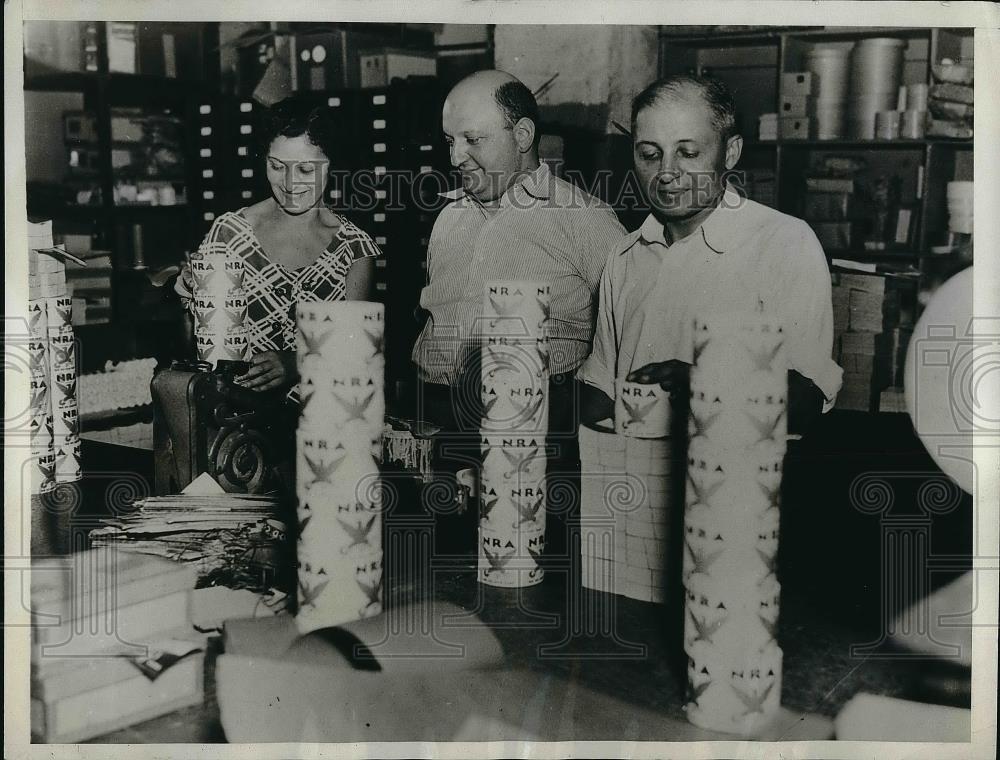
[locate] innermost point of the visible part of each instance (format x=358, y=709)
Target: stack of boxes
x=793, y=110
x=112, y=643
x=869, y=343
x=952, y=100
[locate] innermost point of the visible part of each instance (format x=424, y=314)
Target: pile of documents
x=233, y=540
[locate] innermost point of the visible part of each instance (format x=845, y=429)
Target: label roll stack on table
x=342, y=389
x=515, y=390
x=737, y=427
x=220, y=306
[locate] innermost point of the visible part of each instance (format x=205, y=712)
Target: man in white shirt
x=704, y=249
x=511, y=219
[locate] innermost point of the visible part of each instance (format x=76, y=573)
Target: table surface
x=635, y=660
x=830, y=566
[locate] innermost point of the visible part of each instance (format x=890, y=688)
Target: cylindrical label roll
x=216, y=273
x=228, y=346
x=511, y=559
x=44, y=473
x=737, y=426
x=642, y=410
x=339, y=354
x=38, y=318
x=62, y=395
x=340, y=334
x=340, y=534
x=516, y=308
x=59, y=312
x=513, y=458
x=349, y=403
x=515, y=385
x=67, y=464
x=39, y=387
x=337, y=590
x=734, y=695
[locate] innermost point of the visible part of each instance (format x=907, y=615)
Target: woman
x=294, y=247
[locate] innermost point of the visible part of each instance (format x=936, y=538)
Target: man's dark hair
x=715, y=94
x=300, y=115
x=516, y=102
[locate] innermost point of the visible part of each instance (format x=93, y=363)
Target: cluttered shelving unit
x=875, y=194
x=111, y=161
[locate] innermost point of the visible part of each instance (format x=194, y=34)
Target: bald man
x=511, y=219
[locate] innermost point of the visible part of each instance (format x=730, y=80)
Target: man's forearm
x=805, y=403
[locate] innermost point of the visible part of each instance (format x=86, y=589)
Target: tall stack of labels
x=219, y=305
x=342, y=390
x=737, y=446
x=54, y=424
x=515, y=389
x=625, y=515
x=830, y=67
x=876, y=73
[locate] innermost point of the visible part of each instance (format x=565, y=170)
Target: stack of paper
x=234, y=540
x=112, y=643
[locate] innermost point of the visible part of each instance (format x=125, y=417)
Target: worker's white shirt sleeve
x=599, y=368
x=804, y=295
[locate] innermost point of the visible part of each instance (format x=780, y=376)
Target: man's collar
x=720, y=231
x=537, y=183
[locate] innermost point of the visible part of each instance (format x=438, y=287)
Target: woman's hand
x=184, y=284
x=269, y=370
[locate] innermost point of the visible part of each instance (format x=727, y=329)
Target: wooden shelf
x=66, y=81
x=766, y=36
x=846, y=143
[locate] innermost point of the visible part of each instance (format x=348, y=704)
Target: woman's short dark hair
x=715, y=94
x=296, y=116
x=516, y=102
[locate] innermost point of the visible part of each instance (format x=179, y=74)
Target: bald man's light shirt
x=745, y=257
x=542, y=228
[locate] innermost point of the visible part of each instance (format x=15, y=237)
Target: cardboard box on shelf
x=380, y=67
x=793, y=127
x=794, y=105
x=797, y=83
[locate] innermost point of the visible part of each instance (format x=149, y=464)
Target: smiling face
x=298, y=172
x=680, y=158
x=482, y=146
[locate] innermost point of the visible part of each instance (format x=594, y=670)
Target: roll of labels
x=342, y=369
x=219, y=305
x=515, y=390
x=737, y=429
x=54, y=412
